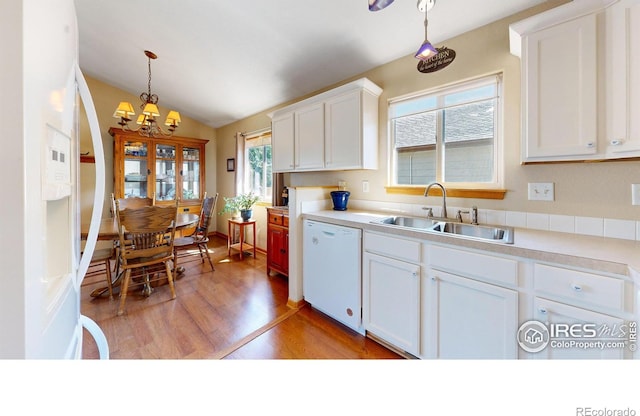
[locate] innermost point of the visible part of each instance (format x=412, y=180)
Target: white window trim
x=452, y=88
x=241, y=169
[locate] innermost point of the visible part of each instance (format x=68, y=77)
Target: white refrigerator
x=41, y=89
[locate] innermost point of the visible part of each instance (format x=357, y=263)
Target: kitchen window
x=257, y=165
x=451, y=135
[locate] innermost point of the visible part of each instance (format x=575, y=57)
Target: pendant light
x=375, y=5
x=149, y=126
x=426, y=50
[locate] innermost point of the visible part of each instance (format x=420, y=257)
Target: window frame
x=438, y=93
x=251, y=140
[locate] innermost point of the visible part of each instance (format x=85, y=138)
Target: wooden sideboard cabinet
x=167, y=167
x=278, y=240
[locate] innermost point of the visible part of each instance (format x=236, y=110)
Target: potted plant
x=243, y=203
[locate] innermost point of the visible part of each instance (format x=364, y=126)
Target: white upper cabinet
x=564, y=81
x=282, y=138
x=308, y=143
x=560, y=88
x=623, y=79
x=351, y=131
x=335, y=130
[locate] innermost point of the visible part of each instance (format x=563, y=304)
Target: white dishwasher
x=331, y=271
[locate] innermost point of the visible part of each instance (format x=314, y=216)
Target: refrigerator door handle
x=97, y=334
x=98, y=196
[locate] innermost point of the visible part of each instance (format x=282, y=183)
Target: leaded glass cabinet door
x=190, y=173
x=136, y=169
x=165, y=188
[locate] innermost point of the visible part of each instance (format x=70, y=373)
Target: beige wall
x=582, y=189
x=105, y=100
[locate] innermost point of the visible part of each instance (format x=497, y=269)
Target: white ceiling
x=223, y=60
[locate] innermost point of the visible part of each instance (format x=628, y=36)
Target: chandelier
x=426, y=50
x=148, y=124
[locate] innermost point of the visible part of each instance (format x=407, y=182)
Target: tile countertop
x=609, y=255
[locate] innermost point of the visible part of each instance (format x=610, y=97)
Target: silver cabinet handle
x=590, y=144
x=616, y=142
x=542, y=310
x=576, y=287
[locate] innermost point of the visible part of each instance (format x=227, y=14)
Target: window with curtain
x=257, y=165
x=451, y=135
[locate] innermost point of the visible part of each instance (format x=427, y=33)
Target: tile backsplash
x=601, y=227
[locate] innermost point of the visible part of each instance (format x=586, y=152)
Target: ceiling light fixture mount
x=149, y=126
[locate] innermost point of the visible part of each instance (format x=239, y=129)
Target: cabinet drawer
x=397, y=248
x=285, y=220
x=276, y=218
x=482, y=266
x=581, y=287
x=189, y=209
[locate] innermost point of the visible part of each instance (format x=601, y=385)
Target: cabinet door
x=190, y=173
x=282, y=132
x=391, y=298
x=468, y=319
x=560, y=91
x=343, y=132
x=165, y=172
x=277, y=248
x=550, y=312
x=623, y=78
x=135, y=171
x=309, y=137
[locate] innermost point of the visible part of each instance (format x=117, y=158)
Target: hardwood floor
x=234, y=312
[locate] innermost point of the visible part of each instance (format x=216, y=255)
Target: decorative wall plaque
x=441, y=60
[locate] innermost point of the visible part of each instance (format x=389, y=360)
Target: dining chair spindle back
x=185, y=246
x=146, y=237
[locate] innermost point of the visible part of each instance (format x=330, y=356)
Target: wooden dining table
x=108, y=231
x=109, y=226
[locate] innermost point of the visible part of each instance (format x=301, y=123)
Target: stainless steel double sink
x=502, y=234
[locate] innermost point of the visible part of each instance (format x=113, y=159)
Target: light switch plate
x=541, y=191
x=635, y=194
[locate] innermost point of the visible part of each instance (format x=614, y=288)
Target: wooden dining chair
x=186, y=246
x=100, y=265
x=126, y=203
x=136, y=201
x=146, y=237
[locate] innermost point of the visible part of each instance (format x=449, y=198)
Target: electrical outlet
x=541, y=191
x=365, y=186
x=635, y=194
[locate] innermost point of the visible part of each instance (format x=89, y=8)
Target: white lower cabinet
x=465, y=318
x=438, y=301
x=583, y=311
x=469, y=305
x=391, y=290
x=391, y=296
x=583, y=344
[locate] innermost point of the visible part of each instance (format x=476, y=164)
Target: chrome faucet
x=444, y=196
